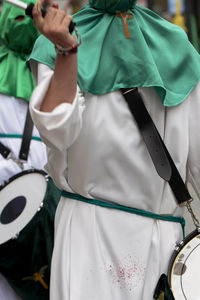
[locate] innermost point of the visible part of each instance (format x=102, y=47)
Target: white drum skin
x=31, y=185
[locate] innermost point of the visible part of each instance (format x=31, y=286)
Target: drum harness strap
x=25, y=144
x=159, y=153
x=161, y=159
x=26, y=139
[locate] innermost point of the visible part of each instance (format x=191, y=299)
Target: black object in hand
x=29, y=11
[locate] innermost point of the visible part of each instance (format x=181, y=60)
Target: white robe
x=12, y=120
x=95, y=149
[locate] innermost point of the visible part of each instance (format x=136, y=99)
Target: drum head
x=20, y=200
x=184, y=269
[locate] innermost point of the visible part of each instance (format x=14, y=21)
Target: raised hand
x=55, y=25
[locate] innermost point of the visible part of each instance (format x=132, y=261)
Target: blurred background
x=185, y=13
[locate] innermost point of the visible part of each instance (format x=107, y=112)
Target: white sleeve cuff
x=59, y=128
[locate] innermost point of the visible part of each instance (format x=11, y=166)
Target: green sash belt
x=18, y=136
x=127, y=209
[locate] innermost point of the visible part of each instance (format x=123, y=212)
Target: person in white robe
x=96, y=153
x=17, y=35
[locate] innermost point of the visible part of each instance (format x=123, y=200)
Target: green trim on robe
x=18, y=136
x=128, y=209
x=157, y=54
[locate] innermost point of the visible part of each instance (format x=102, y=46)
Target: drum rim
x=177, y=250
x=12, y=179
x=29, y=171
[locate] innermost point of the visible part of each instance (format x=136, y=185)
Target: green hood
x=111, y=6
x=17, y=40
x=157, y=54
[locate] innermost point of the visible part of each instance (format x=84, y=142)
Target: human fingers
x=55, y=24
x=56, y=27
x=64, y=37
x=37, y=15
x=46, y=23
x=54, y=17
x=70, y=39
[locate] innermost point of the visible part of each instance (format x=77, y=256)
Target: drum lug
x=179, y=245
x=41, y=206
x=4, y=183
x=15, y=236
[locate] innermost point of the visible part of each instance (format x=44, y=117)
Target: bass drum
x=28, y=203
x=184, y=268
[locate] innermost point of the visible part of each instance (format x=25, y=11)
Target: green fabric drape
x=17, y=40
x=111, y=6
x=157, y=54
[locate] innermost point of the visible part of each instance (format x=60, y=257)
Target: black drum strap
x=159, y=154
x=26, y=138
x=4, y=151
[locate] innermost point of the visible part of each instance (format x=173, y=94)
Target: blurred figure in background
x=17, y=35
x=26, y=153
x=0, y=14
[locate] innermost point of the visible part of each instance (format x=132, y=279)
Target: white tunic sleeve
x=59, y=128
x=194, y=148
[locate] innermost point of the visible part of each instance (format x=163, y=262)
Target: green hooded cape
x=17, y=40
x=157, y=54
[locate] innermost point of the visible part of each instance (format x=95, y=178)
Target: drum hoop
x=178, y=249
x=29, y=171
x=42, y=205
